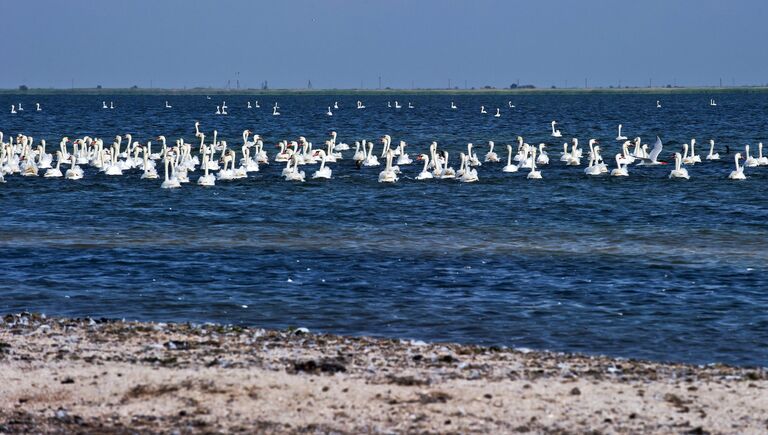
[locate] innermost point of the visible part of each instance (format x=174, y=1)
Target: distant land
x=385, y=91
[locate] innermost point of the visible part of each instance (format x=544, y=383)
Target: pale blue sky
x=339, y=43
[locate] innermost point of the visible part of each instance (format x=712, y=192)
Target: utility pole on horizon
x=379, y=81
x=238, y=80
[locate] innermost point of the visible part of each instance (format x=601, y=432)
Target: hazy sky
x=339, y=43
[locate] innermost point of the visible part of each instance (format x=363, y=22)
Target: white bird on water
x=738, y=174
x=620, y=137
x=555, y=133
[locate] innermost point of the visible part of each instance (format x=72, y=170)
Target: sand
x=99, y=376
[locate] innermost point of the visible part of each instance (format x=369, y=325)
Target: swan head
x=490, y=143
x=711, y=141
x=693, y=142
x=592, y=142
x=554, y=123
x=737, y=156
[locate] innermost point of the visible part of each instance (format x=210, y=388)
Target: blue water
x=642, y=266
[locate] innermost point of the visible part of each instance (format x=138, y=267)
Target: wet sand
x=102, y=376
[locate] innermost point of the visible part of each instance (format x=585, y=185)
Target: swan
x=453, y=105
x=498, y=113
x=679, y=171
x=274, y=111
x=206, y=179
x=565, y=155
x=329, y=113
x=249, y=105
x=256, y=104
x=388, y=175
x=472, y=156
x=389, y=105
x=574, y=158
x=468, y=174
x=410, y=105
x=543, y=158
x=593, y=168
x=510, y=167
x=760, y=159
x=695, y=158
x=324, y=171
x=336, y=105
x=359, y=155
x=38, y=108
x=13, y=109
x=653, y=156
x=555, y=133
x=482, y=109
x=218, y=110
x=54, y=172
x=509, y=103
x=403, y=158
x=172, y=182
x=712, y=154
x=447, y=171
x=149, y=170
x=294, y=174
x=658, y=104
x=21, y=109
x=111, y=105
x=738, y=174
x=621, y=167
x=712, y=102
x=167, y=106
x=104, y=105
x=491, y=156
x=341, y=146
x=74, y=172
x=360, y=105
x=370, y=159
x=534, y=174
x=424, y=174
x=750, y=162
x=620, y=137
x=397, y=105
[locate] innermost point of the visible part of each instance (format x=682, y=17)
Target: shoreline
x=84, y=375
x=349, y=92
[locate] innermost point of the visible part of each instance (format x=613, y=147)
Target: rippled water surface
x=642, y=266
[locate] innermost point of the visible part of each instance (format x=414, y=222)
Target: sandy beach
x=103, y=376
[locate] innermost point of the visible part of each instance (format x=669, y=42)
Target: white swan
x=329, y=113
x=274, y=111
x=170, y=182
x=453, y=105
x=498, y=113
x=323, y=171
x=738, y=174
x=482, y=109
x=760, y=159
x=555, y=133
x=658, y=104
x=712, y=154
x=403, y=158
x=54, y=172
x=620, y=137
x=388, y=175
x=543, y=158
x=206, y=179
x=679, y=171
x=468, y=174
x=13, y=109
x=167, y=106
x=491, y=156
x=534, y=174
x=370, y=159
x=750, y=162
x=510, y=167
x=38, y=108
x=621, y=168
x=149, y=169
x=424, y=174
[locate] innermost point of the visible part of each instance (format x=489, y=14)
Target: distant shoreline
x=496, y=91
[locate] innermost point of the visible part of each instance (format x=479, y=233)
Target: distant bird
x=555, y=133
x=167, y=106
x=39, y=109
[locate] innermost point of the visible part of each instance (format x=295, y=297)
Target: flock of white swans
x=217, y=161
